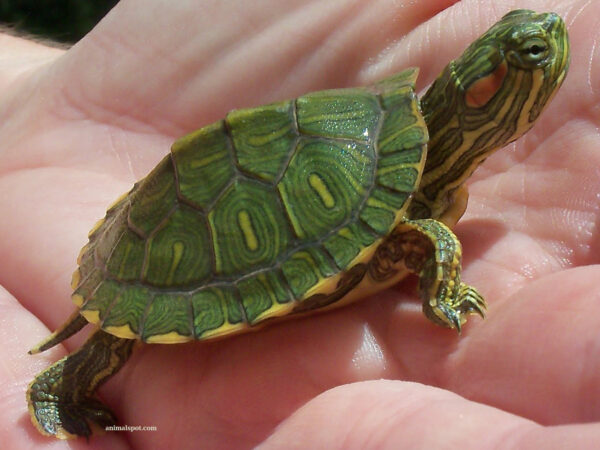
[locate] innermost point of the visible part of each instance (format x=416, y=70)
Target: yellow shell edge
x=114, y=204
x=123, y=331
x=92, y=316
x=280, y=309
x=75, y=278
x=224, y=330
x=78, y=300
x=169, y=338
x=95, y=228
x=82, y=252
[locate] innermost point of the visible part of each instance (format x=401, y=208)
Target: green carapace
x=299, y=206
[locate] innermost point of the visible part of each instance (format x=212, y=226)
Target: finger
x=215, y=58
x=391, y=414
x=19, y=56
x=536, y=355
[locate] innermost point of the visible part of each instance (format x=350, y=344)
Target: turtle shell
x=271, y=211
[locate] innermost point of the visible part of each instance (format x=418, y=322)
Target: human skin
x=78, y=127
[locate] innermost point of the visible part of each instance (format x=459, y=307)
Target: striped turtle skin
x=298, y=206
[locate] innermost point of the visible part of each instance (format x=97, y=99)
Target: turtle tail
x=72, y=325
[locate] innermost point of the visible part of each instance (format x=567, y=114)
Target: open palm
x=77, y=128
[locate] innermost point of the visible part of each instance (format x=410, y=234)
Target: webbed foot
x=58, y=415
x=60, y=399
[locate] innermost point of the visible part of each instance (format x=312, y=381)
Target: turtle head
x=489, y=96
x=509, y=74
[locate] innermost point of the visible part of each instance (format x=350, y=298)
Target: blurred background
x=65, y=21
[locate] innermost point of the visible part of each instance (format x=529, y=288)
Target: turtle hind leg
x=430, y=249
x=60, y=398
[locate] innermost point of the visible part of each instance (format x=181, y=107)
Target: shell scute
x=216, y=311
x=179, y=254
x=127, y=311
x=88, y=283
x=306, y=267
x=154, y=199
x=263, y=295
x=169, y=316
x=256, y=129
x=319, y=191
x=203, y=164
x=128, y=256
x=348, y=242
x=383, y=209
x=249, y=228
x=339, y=114
x=100, y=300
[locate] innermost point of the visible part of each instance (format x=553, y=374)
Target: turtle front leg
x=430, y=249
x=60, y=399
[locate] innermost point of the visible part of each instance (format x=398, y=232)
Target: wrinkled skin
x=77, y=128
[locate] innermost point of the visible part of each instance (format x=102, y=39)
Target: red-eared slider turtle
x=298, y=206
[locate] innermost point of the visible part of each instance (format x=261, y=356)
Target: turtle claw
x=455, y=319
x=70, y=420
x=79, y=419
x=454, y=314
x=470, y=301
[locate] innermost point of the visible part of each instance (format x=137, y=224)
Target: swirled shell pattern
x=249, y=216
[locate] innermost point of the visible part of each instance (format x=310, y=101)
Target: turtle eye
x=534, y=51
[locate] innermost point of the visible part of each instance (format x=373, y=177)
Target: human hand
x=78, y=128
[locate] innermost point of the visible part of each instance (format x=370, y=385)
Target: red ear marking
x=482, y=91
